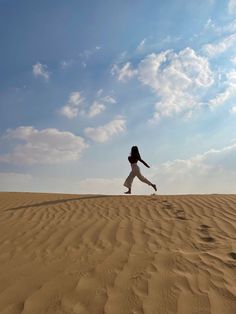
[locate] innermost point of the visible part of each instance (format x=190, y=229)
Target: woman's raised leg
x=145, y=180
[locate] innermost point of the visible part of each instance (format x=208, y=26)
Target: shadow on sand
x=57, y=202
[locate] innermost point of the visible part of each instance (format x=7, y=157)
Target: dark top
x=135, y=159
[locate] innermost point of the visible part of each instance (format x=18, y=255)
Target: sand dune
x=95, y=254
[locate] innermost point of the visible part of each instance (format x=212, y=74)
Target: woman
x=133, y=159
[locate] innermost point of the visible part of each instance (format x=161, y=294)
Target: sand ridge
x=92, y=254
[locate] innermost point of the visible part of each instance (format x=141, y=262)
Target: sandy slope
x=117, y=254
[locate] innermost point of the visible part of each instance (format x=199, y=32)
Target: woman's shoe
x=154, y=187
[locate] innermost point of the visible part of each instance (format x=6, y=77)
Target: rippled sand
x=92, y=254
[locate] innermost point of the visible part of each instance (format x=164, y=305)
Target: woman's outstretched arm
x=144, y=163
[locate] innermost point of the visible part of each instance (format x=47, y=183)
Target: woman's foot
x=154, y=187
x=128, y=192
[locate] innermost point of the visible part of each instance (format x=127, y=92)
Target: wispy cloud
x=87, y=53
x=228, y=93
x=100, y=104
x=40, y=70
x=220, y=30
x=71, y=108
x=65, y=64
x=103, y=133
x=123, y=73
x=99, y=92
x=95, y=109
x=47, y=146
x=109, y=99
x=213, y=50
x=151, y=43
x=141, y=45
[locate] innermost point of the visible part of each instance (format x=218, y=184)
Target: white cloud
x=75, y=98
x=47, y=146
x=149, y=68
x=124, y=73
x=232, y=6
x=103, y=133
x=71, y=108
x=69, y=111
x=95, y=109
x=99, y=105
x=74, y=105
x=177, y=79
x=109, y=100
x=228, y=93
x=41, y=70
x=211, y=172
x=221, y=46
x=233, y=110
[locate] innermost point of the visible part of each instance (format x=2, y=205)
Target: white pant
x=135, y=172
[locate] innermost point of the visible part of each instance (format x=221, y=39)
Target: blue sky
x=82, y=82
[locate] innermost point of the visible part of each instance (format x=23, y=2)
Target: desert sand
x=94, y=254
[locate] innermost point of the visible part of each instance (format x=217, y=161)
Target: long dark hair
x=135, y=152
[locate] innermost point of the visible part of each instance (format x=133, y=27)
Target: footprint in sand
x=167, y=205
x=232, y=262
x=207, y=242
x=179, y=213
x=205, y=234
x=232, y=255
